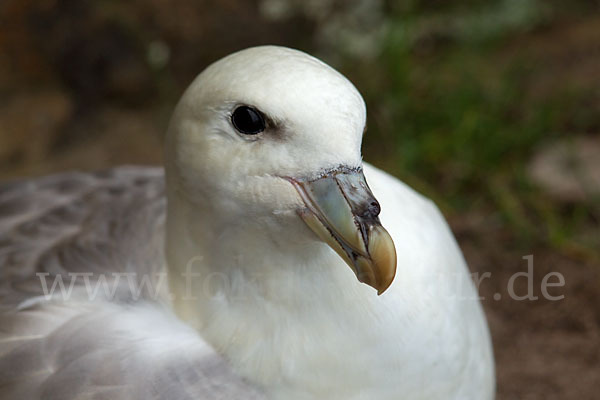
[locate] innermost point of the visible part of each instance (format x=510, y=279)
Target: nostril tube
x=375, y=208
x=372, y=210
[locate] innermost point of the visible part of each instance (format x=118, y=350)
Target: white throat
x=289, y=295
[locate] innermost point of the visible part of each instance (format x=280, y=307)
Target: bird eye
x=248, y=120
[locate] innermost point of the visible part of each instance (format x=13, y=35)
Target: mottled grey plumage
x=122, y=346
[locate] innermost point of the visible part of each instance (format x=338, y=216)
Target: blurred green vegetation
x=456, y=110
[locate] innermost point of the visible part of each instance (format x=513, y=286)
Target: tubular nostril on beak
x=372, y=210
x=358, y=195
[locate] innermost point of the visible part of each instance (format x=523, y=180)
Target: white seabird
x=267, y=208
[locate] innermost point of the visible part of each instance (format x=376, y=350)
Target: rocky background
x=492, y=108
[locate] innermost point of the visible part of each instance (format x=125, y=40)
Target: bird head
x=272, y=135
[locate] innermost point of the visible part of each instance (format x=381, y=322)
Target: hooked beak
x=343, y=212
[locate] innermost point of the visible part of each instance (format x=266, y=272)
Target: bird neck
x=245, y=261
x=254, y=292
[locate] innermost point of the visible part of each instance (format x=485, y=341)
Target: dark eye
x=247, y=120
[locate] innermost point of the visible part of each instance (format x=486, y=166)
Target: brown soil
x=544, y=349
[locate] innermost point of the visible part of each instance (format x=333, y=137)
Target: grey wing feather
x=78, y=227
x=103, y=223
